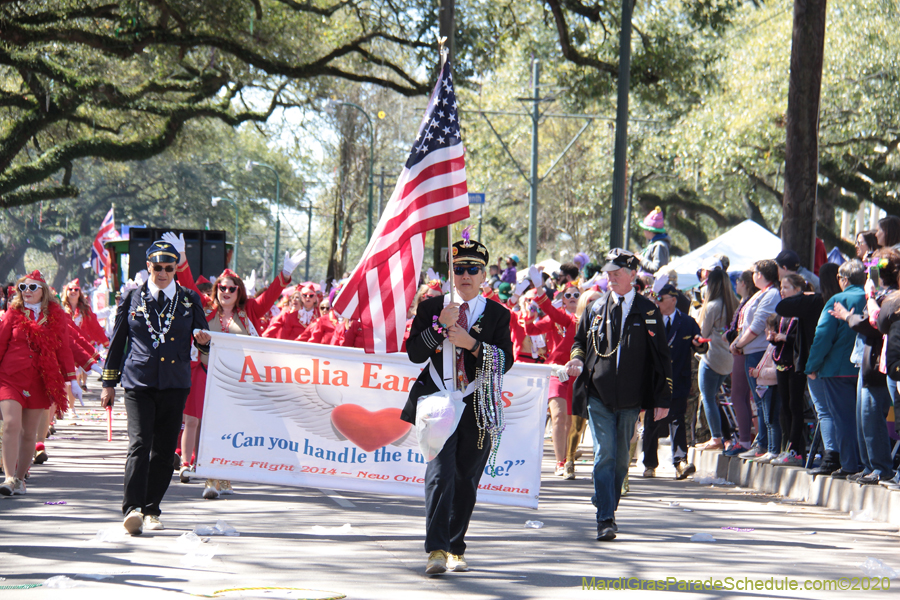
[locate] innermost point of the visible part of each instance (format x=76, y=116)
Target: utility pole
x=620, y=166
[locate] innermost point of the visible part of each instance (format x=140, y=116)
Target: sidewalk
x=382, y=556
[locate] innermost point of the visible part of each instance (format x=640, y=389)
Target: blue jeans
x=826, y=421
x=612, y=433
x=751, y=361
x=709, y=382
x=872, y=404
x=892, y=390
x=840, y=393
x=769, y=421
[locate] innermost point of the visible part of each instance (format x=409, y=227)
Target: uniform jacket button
x=162, y=359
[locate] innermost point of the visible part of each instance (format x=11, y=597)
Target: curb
x=794, y=482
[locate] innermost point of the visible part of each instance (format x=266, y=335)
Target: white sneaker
x=19, y=489
x=225, y=488
x=152, y=523
x=766, y=458
x=211, y=492
x=788, y=459
x=134, y=522
x=7, y=487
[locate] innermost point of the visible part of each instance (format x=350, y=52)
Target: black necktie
x=161, y=299
x=668, y=326
x=616, y=322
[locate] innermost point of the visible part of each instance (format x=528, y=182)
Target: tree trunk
x=798, y=227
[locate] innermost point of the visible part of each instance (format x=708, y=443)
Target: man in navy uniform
x=476, y=327
x=621, y=359
x=682, y=337
x=150, y=354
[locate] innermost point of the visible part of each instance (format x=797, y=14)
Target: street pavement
x=296, y=539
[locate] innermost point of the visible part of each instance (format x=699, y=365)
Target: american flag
x=430, y=193
x=99, y=254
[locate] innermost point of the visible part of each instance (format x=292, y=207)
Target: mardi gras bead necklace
x=163, y=319
x=489, y=400
x=595, y=329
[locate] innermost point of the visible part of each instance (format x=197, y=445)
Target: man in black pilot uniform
x=451, y=479
x=150, y=353
x=621, y=359
x=683, y=339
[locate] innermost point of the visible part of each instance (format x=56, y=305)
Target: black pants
x=154, y=420
x=791, y=386
x=672, y=425
x=451, y=485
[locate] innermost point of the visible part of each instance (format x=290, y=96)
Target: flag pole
x=444, y=52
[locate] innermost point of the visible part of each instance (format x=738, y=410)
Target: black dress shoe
x=824, y=469
x=606, y=530
x=842, y=474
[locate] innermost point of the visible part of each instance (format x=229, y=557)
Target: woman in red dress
x=228, y=310
x=36, y=363
x=301, y=311
x=75, y=303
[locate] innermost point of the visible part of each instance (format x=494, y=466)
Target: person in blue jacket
x=829, y=358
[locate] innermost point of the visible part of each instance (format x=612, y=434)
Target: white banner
x=291, y=413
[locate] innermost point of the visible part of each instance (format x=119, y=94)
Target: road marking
x=340, y=500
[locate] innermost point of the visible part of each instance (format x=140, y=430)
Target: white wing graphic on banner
x=310, y=406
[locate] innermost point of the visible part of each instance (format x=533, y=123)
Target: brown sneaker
x=570, y=470
x=437, y=563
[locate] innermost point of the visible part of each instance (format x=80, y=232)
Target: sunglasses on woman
x=228, y=289
x=575, y=295
x=158, y=268
x=31, y=287
x=307, y=295
x=74, y=290
x=473, y=270
x=324, y=308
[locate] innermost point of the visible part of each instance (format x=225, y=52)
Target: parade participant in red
x=36, y=363
x=560, y=323
x=229, y=311
x=302, y=310
x=322, y=330
x=76, y=304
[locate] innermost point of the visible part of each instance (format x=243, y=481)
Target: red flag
x=99, y=254
x=431, y=193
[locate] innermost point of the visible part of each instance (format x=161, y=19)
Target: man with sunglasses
x=478, y=329
x=622, y=363
x=149, y=354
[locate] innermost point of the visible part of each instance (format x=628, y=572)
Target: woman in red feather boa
x=36, y=363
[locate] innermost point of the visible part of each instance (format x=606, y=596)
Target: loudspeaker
x=193, y=250
x=213, y=253
x=138, y=242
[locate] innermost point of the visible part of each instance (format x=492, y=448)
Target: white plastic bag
x=437, y=416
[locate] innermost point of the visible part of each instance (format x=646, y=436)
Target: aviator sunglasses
x=158, y=268
x=473, y=270
x=32, y=287
x=228, y=289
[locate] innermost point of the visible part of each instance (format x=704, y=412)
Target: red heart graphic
x=369, y=430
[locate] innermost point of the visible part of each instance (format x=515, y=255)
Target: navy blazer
x=132, y=359
x=492, y=327
x=681, y=349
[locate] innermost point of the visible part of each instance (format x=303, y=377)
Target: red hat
x=10, y=291
x=229, y=273
x=308, y=288
x=36, y=275
x=199, y=281
x=73, y=283
x=435, y=284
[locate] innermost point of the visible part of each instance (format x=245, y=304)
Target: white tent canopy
x=745, y=244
